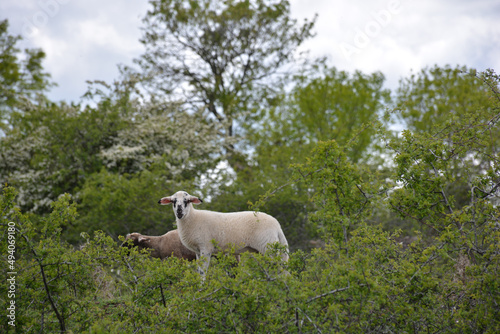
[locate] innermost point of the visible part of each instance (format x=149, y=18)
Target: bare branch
x=328, y=293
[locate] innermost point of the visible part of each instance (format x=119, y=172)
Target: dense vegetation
x=389, y=231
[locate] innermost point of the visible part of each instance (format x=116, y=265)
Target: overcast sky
x=87, y=39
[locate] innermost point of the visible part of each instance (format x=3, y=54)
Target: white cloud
x=82, y=40
x=413, y=35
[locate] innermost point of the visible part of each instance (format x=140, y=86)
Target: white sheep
x=162, y=246
x=205, y=232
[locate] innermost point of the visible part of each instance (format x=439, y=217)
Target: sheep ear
x=165, y=201
x=143, y=239
x=195, y=200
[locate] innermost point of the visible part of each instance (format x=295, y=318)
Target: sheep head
x=182, y=203
x=137, y=239
x=140, y=241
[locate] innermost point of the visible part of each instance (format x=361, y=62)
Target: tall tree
x=324, y=104
x=219, y=54
x=440, y=94
x=22, y=78
x=333, y=104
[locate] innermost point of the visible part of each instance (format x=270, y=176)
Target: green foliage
x=330, y=104
x=453, y=105
x=369, y=284
x=438, y=95
x=324, y=104
x=120, y=204
x=22, y=80
x=449, y=182
x=452, y=167
x=341, y=191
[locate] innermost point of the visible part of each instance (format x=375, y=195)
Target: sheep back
x=245, y=230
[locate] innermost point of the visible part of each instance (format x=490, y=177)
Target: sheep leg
x=203, y=260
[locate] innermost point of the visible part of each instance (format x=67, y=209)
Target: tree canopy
x=219, y=55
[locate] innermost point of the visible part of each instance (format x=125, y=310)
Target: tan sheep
x=205, y=232
x=162, y=246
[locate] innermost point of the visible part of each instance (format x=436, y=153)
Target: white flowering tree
x=105, y=150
